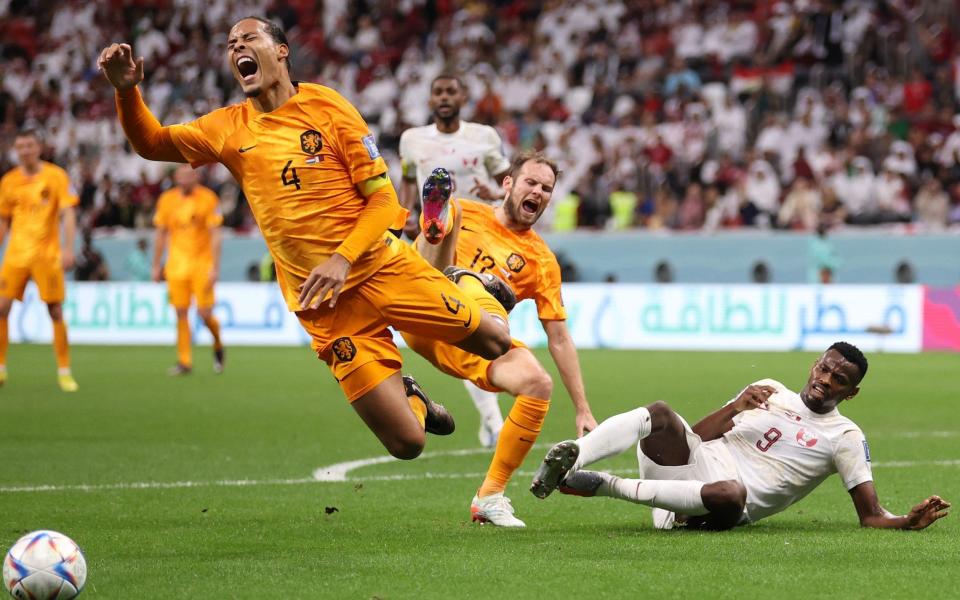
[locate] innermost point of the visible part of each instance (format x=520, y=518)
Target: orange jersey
x=33, y=204
x=522, y=259
x=188, y=219
x=299, y=167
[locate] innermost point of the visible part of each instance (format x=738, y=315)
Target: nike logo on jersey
x=242, y=149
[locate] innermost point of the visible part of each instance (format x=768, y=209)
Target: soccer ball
x=44, y=565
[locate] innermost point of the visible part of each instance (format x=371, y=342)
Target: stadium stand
x=682, y=115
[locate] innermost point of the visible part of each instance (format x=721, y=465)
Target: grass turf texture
x=277, y=414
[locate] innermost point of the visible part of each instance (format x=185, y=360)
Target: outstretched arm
x=871, y=514
x=718, y=423
x=564, y=354
x=151, y=140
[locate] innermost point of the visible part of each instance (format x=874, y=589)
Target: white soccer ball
x=44, y=565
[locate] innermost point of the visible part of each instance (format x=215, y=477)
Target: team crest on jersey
x=310, y=141
x=806, y=439
x=515, y=262
x=344, y=349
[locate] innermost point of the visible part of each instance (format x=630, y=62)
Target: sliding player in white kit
x=763, y=451
x=473, y=154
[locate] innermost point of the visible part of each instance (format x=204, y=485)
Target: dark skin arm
x=718, y=423
x=871, y=514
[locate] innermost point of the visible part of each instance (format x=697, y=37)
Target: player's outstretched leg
x=555, y=466
x=718, y=505
x=437, y=190
x=519, y=373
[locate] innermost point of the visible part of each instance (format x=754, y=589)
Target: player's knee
x=182, y=313
x=725, y=500
x=661, y=415
x=496, y=343
x=538, y=384
x=55, y=311
x=406, y=448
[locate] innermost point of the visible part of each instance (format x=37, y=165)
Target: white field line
x=339, y=473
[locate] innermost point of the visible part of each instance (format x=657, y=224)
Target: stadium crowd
x=681, y=115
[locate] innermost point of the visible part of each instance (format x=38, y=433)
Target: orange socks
x=4, y=341
x=60, y=347
x=214, y=326
x=518, y=435
x=183, y=343
x=474, y=289
x=419, y=409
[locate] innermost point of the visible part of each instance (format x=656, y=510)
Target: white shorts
x=709, y=462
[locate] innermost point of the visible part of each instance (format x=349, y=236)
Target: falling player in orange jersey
x=501, y=241
x=320, y=193
x=35, y=199
x=188, y=218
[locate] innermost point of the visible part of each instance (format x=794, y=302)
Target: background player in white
x=760, y=453
x=473, y=154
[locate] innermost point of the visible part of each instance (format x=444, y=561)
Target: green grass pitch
x=402, y=530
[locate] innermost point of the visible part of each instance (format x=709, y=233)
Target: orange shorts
x=49, y=280
x=198, y=286
x=407, y=294
x=456, y=362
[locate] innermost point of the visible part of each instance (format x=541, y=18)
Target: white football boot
x=494, y=509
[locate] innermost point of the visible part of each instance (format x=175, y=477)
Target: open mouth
x=247, y=67
x=819, y=390
x=530, y=206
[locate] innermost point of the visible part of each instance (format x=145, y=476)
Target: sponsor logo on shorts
x=310, y=141
x=371, y=145
x=515, y=262
x=344, y=349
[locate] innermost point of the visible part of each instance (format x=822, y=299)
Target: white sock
x=613, y=436
x=487, y=406
x=682, y=497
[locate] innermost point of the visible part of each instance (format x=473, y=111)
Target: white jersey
x=784, y=452
x=473, y=151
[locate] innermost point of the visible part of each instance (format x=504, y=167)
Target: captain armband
x=369, y=186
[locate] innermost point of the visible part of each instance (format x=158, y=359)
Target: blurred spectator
x=91, y=265
x=761, y=195
x=688, y=92
x=137, y=262
x=932, y=204
x=801, y=207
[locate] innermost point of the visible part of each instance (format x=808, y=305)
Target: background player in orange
x=188, y=217
x=501, y=241
x=35, y=199
x=319, y=190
